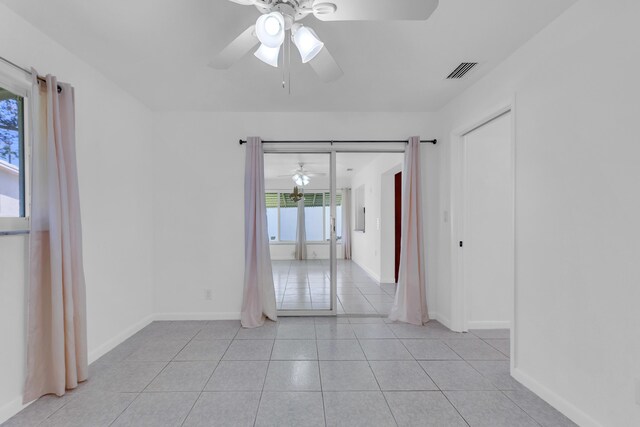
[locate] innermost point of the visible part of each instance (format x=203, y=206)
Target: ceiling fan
x=280, y=17
x=301, y=176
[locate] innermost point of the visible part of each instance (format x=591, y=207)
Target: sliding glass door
x=301, y=213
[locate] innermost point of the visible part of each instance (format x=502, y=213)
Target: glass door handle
x=333, y=225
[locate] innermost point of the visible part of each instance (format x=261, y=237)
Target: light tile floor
x=304, y=285
x=345, y=371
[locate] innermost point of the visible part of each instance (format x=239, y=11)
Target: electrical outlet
x=208, y=295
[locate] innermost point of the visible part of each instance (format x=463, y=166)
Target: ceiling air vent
x=462, y=70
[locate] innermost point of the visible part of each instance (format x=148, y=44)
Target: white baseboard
x=567, y=408
x=440, y=318
x=373, y=275
x=118, y=339
x=198, y=316
x=489, y=324
x=10, y=409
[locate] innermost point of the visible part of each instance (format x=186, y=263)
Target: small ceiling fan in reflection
x=279, y=23
x=301, y=176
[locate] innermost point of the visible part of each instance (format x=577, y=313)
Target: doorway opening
x=483, y=253
x=397, y=221
x=332, y=228
x=301, y=214
x=366, y=279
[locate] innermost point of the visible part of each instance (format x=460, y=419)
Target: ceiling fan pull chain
x=289, y=59
x=284, y=59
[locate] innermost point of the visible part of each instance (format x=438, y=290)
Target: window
x=282, y=216
x=313, y=216
x=12, y=160
x=288, y=218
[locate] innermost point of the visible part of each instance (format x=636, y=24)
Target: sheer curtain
x=346, y=222
x=259, y=298
x=301, y=232
x=56, y=322
x=410, y=304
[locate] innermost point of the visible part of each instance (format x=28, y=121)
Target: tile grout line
x=497, y=388
x=324, y=408
x=376, y=378
x=492, y=346
x=439, y=388
x=76, y=389
x=484, y=376
x=521, y=408
x=255, y=419
x=210, y=375
x=153, y=379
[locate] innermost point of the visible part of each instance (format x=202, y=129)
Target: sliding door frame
x=332, y=150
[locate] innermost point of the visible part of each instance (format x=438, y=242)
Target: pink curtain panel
x=57, y=321
x=259, y=298
x=410, y=304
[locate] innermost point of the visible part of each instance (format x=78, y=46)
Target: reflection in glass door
x=302, y=225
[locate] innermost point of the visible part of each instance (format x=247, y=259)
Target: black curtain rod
x=389, y=141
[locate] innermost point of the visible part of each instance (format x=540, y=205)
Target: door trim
x=457, y=211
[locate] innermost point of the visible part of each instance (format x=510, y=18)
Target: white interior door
x=488, y=225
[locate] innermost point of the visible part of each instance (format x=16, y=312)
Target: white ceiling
x=158, y=50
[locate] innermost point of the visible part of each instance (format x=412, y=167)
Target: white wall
x=577, y=207
x=199, y=239
x=113, y=146
x=367, y=246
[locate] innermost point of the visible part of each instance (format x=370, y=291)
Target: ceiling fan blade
x=377, y=10
x=325, y=66
x=235, y=50
x=243, y=2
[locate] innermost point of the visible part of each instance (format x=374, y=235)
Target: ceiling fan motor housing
x=292, y=10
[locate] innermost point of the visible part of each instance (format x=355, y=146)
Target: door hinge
x=460, y=243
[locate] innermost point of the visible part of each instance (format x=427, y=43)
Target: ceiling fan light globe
x=300, y=179
x=268, y=55
x=270, y=29
x=272, y=26
x=307, y=42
